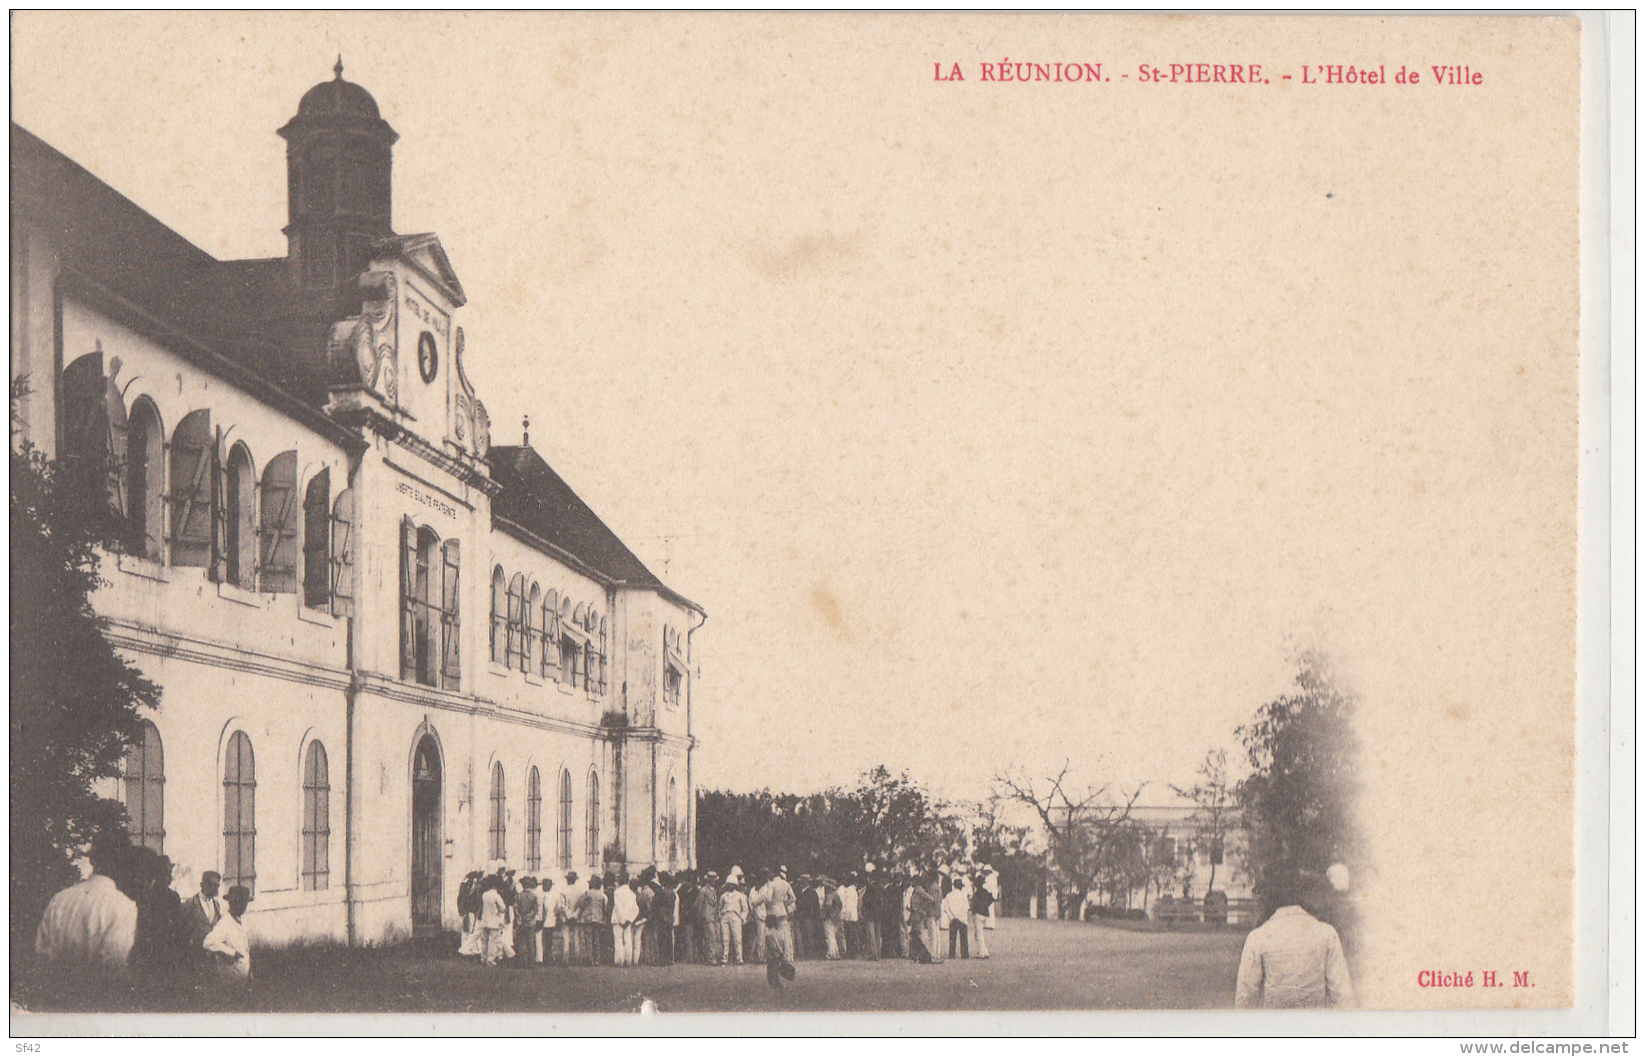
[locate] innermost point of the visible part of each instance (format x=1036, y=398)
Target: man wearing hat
x=528, y=923
x=202, y=913
x=227, y=941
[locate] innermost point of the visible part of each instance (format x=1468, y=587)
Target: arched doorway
x=426, y=849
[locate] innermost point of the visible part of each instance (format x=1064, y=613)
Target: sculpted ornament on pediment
x=361, y=349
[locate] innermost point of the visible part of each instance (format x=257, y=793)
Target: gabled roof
x=428, y=256
x=105, y=236
x=213, y=308
x=538, y=500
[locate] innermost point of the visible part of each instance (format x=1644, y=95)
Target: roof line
x=75, y=283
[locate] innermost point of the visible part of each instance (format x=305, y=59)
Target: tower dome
x=337, y=96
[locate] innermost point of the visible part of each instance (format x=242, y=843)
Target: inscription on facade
x=411, y=491
x=428, y=314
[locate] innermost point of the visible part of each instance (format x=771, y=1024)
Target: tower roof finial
x=338, y=69
x=525, y=432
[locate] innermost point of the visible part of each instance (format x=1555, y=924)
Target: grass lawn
x=1036, y=965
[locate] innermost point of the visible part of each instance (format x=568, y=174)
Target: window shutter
x=114, y=415
x=604, y=685
x=342, y=554
x=277, y=532
x=408, y=600
x=551, y=636
x=193, y=491
x=219, y=526
x=451, y=631
x=499, y=616
x=317, y=515
x=516, y=633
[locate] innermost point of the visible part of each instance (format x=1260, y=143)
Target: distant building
x=391, y=651
x=1165, y=845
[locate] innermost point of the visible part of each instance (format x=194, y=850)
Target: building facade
x=391, y=651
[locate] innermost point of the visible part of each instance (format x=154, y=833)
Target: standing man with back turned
x=1293, y=960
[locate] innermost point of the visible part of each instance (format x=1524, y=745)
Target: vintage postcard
x=793, y=513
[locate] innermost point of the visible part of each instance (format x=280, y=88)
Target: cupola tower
x=339, y=166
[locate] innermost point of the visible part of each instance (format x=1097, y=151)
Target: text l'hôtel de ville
x=1009, y=71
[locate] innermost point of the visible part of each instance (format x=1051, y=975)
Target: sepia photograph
x=760, y=514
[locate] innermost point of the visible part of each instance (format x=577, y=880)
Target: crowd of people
x=125, y=921
x=760, y=917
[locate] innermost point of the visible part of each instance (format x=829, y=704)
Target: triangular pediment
x=424, y=253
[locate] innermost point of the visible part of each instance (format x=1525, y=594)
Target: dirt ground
x=1036, y=965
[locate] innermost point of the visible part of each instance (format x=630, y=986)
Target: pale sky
x=991, y=425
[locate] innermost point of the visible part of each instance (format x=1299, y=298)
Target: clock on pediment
x=428, y=357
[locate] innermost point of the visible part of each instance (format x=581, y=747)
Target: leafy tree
x=1299, y=797
x=74, y=701
x=887, y=818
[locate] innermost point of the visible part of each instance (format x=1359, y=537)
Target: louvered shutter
x=450, y=626
x=551, y=636
x=604, y=686
x=342, y=554
x=277, y=533
x=193, y=481
x=516, y=629
x=408, y=600
x=317, y=574
x=83, y=434
x=115, y=421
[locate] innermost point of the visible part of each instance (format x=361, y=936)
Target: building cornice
x=145, y=638
x=398, y=433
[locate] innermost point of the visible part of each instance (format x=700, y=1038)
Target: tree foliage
x=74, y=701
x=1299, y=797
x=888, y=818
x=1216, y=801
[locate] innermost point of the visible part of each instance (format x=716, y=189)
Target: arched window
x=317, y=541
x=145, y=481
x=144, y=772
x=193, y=496
x=534, y=820
x=594, y=819
x=499, y=813
x=566, y=828
x=499, y=616
x=516, y=622
x=316, y=819
x=239, y=814
x=673, y=821
x=239, y=527
x=277, y=531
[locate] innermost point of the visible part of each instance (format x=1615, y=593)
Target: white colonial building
x=390, y=650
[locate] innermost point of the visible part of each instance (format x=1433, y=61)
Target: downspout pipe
x=350, y=694
x=690, y=741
